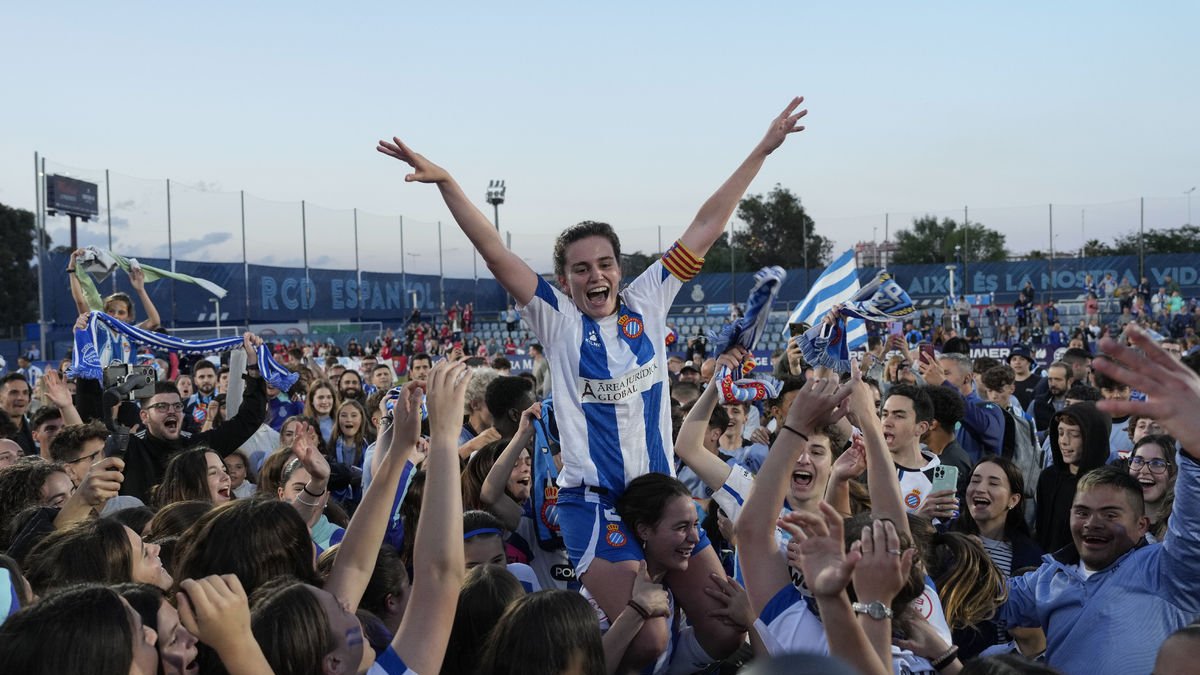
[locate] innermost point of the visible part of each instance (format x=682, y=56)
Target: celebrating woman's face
x=592, y=276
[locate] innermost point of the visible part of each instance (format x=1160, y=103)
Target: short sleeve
x=546, y=311
x=734, y=492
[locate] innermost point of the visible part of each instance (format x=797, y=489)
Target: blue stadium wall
x=283, y=295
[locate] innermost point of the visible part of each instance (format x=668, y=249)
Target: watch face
x=876, y=610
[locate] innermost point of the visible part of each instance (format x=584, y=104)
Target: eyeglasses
x=90, y=459
x=1156, y=465
x=165, y=407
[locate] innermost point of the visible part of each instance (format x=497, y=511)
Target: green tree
x=718, y=259
x=18, y=280
x=930, y=241
x=1095, y=248
x=721, y=258
x=779, y=232
x=1184, y=239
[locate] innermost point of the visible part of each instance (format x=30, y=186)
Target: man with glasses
x=162, y=435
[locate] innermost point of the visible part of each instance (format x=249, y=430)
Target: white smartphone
x=945, y=478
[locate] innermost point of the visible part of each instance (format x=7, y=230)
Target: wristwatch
x=875, y=610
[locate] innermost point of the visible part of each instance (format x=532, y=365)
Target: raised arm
x=309, y=502
x=438, y=558
x=882, y=483
x=818, y=550
x=60, y=396
x=689, y=444
x=137, y=279
x=492, y=493
x=509, y=269
x=1172, y=399
x=714, y=215
x=360, y=546
x=765, y=571
x=77, y=295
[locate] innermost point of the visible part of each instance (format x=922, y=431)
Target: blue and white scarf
x=881, y=300
x=745, y=332
x=106, y=340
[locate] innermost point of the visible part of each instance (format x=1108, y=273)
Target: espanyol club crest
x=615, y=537
x=631, y=326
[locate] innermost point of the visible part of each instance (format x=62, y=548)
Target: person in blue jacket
x=1109, y=601
x=981, y=431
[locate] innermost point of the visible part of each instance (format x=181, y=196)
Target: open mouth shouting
x=597, y=296
x=802, y=480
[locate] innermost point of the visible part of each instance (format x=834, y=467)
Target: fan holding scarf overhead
x=745, y=332
x=105, y=340
x=101, y=340
x=828, y=342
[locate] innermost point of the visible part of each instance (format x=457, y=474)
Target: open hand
x=56, y=389
x=782, y=126
x=424, y=171
x=852, y=463
x=819, y=403
x=1172, y=389
x=304, y=446
x=445, y=394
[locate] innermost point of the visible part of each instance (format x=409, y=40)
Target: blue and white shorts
x=592, y=529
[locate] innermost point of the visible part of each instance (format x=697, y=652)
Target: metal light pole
x=966, y=283
x=1189, y=196
x=1050, y=289
x=217, y=313
x=495, y=197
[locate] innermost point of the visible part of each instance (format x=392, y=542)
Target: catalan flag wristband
x=681, y=262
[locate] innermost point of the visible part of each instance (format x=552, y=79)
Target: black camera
x=130, y=382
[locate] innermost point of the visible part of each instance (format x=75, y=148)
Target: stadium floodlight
x=495, y=197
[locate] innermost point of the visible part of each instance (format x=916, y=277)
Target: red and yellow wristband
x=681, y=262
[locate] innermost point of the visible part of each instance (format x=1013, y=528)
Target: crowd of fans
x=926, y=512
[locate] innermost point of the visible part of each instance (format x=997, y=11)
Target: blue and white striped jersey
x=610, y=382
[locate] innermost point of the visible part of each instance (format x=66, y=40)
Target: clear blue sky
x=622, y=112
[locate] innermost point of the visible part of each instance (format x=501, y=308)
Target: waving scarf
x=881, y=300
x=745, y=332
x=106, y=340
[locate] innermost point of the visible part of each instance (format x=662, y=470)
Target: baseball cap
x=1022, y=351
